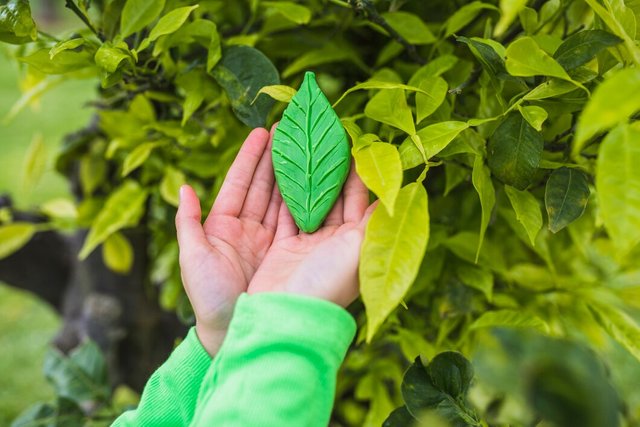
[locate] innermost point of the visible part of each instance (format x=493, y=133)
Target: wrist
x=210, y=339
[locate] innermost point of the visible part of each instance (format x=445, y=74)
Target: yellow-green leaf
x=427, y=104
x=59, y=208
x=481, y=180
x=292, y=11
x=117, y=253
x=14, y=236
x=527, y=211
x=123, y=208
x=168, y=24
x=509, y=10
x=618, y=185
x=170, y=185
x=137, y=14
x=410, y=26
x=390, y=107
x=433, y=138
x=137, y=157
x=379, y=84
x=34, y=162
x=391, y=254
x=282, y=93
x=613, y=102
x=534, y=115
x=619, y=326
x=509, y=318
x=379, y=166
x=526, y=59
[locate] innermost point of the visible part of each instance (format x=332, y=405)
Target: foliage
x=466, y=118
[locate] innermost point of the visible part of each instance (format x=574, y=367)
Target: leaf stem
x=69, y=4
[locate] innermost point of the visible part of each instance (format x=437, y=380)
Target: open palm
x=218, y=259
x=323, y=264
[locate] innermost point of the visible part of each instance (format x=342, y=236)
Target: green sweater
x=276, y=367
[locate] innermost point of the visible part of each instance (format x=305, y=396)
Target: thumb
x=189, y=229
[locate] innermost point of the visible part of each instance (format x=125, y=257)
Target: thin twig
x=371, y=13
x=69, y=4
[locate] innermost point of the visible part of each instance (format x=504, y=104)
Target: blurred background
x=27, y=324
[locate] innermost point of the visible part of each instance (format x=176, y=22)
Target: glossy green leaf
x=66, y=45
x=123, y=208
x=292, y=11
x=619, y=326
x=514, y=151
x=14, y=236
x=109, y=57
x=534, y=115
x=490, y=60
x=137, y=14
x=391, y=254
x=280, y=93
x=463, y=16
x=117, y=253
x=64, y=413
x=16, y=24
x=390, y=107
x=378, y=84
x=509, y=318
x=60, y=208
x=527, y=211
x=64, y=62
x=481, y=180
x=378, y=165
x=526, y=59
x=618, y=185
x=427, y=104
x=81, y=376
x=583, y=46
x=565, y=197
x=242, y=83
x=310, y=156
x=400, y=417
x=433, y=138
x=549, y=89
x=168, y=24
x=170, y=185
x=613, y=102
x=434, y=68
x=409, y=26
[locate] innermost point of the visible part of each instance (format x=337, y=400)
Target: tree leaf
x=117, y=253
x=242, y=82
x=400, y=417
x=526, y=59
x=14, y=236
x=613, y=102
x=452, y=373
x=476, y=277
x=549, y=89
x=292, y=11
x=137, y=14
x=378, y=84
x=168, y=24
x=391, y=254
x=409, y=26
x=509, y=318
x=35, y=162
x=170, y=185
x=310, y=156
x=527, y=211
x=534, y=115
x=481, y=180
x=123, y=208
x=433, y=138
x=566, y=195
x=137, y=157
x=509, y=10
x=619, y=326
x=16, y=24
x=464, y=16
x=433, y=68
x=280, y=93
x=390, y=107
x=515, y=150
x=582, y=47
x=110, y=57
x=618, y=185
x=490, y=60
x=379, y=166
x=427, y=104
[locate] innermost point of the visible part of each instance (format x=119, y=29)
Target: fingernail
x=181, y=193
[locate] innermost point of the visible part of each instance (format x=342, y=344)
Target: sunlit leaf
x=484, y=187
x=117, y=253
x=137, y=14
x=14, y=236
x=527, y=211
x=379, y=166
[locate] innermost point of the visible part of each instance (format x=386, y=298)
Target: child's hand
x=219, y=260
x=323, y=264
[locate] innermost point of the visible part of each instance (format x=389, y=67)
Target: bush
x=502, y=140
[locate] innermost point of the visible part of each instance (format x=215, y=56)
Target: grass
x=26, y=324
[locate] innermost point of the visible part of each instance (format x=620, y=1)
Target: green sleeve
x=169, y=397
x=278, y=363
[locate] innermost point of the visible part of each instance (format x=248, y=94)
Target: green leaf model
x=311, y=156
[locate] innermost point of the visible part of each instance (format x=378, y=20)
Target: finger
x=286, y=225
x=362, y=225
x=356, y=197
x=270, y=220
x=189, y=230
x=336, y=217
x=236, y=184
x=261, y=188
